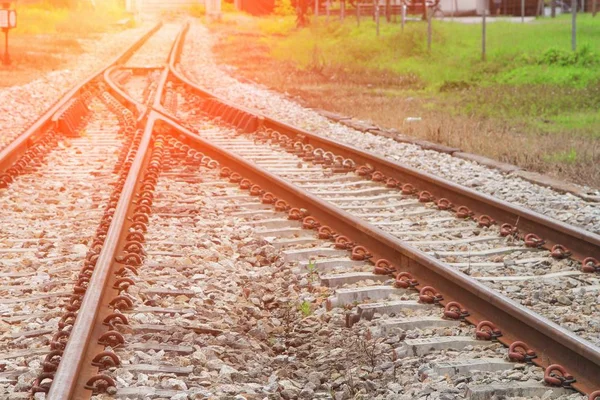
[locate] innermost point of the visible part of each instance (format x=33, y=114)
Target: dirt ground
x=34, y=55
x=383, y=99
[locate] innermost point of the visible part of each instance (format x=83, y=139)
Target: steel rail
x=24, y=141
x=580, y=242
x=124, y=98
x=70, y=379
x=552, y=343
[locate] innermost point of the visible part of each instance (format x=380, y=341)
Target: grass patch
x=531, y=77
x=197, y=10
x=305, y=308
x=537, y=52
x=277, y=26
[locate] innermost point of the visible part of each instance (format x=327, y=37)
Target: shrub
x=583, y=57
x=277, y=26
x=283, y=8
x=454, y=86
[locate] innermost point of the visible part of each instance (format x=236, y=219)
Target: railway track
x=491, y=254
x=527, y=264
x=198, y=63
x=56, y=189
x=49, y=217
x=229, y=248
x=500, y=256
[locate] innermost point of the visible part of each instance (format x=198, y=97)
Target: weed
x=582, y=57
x=454, y=86
x=228, y=7
x=312, y=266
x=288, y=318
x=318, y=61
x=313, y=272
x=305, y=308
x=276, y=26
x=569, y=157
x=368, y=348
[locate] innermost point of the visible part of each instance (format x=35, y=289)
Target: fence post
x=388, y=16
x=483, y=30
x=358, y=13
x=342, y=10
x=573, y=25
x=373, y=14
x=428, y=12
x=316, y=8
x=377, y=16
x=403, y=16
x=522, y=11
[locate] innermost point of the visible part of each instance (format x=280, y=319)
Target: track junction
x=166, y=201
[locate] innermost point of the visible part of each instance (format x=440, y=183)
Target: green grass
x=531, y=76
x=305, y=308
x=517, y=53
x=533, y=103
x=578, y=123
x=277, y=25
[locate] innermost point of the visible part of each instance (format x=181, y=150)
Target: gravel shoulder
x=199, y=64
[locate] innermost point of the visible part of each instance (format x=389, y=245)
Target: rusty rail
x=69, y=381
x=75, y=367
x=580, y=242
x=552, y=343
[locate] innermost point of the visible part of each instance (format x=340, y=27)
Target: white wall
x=447, y=5
x=461, y=5
x=159, y=5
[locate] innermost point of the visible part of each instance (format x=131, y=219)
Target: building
x=255, y=7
